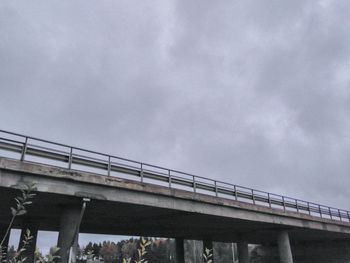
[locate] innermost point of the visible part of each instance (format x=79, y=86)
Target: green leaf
x=21, y=212
x=13, y=211
x=148, y=243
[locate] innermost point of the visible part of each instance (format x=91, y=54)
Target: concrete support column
x=234, y=252
x=66, y=238
x=179, y=250
x=242, y=249
x=284, y=247
x=208, y=243
x=30, y=248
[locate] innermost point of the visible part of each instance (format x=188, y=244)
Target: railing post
x=141, y=173
x=308, y=208
x=320, y=211
x=109, y=165
x=216, y=189
x=24, y=149
x=169, y=175
x=194, y=184
x=330, y=212
x=269, y=199
x=284, y=204
x=70, y=158
x=296, y=204
x=235, y=188
x=339, y=214
x=253, y=196
x=348, y=215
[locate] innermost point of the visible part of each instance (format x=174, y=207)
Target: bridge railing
x=27, y=148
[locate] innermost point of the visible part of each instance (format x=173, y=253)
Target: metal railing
x=48, y=152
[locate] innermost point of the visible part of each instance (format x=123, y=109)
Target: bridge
x=105, y=194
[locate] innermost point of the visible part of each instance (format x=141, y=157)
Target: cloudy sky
x=255, y=93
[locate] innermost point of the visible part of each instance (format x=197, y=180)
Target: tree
x=108, y=251
x=96, y=250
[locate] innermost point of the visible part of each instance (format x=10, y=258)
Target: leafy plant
x=208, y=256
x=90, y=254
x=141, y=252
x=50, y=258
x=27, y=239
x=21, y=203
x=20, y=209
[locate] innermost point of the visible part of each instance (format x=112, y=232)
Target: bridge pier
x=179, y=250
x=68, y=237
x=284, y=248
x=242, y=249
x=31, y=246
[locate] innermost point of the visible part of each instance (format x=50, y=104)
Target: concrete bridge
x=115, y=195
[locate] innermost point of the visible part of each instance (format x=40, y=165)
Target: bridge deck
x=74, y=158
x=121, y=206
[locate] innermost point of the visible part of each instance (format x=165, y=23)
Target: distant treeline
x=160, y=251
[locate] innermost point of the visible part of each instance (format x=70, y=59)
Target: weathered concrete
x=149, y=210
x=198, y=210
x=243, y=255
x=284, y=248
x=66, y=237
x=235, y=252
x=208, y=244
x=180, y=250
x=330, y=251
x=193, y=251
x=31, y=246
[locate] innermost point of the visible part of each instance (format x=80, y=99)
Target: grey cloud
x=252, y=93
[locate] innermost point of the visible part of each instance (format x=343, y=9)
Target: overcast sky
x=255, y=93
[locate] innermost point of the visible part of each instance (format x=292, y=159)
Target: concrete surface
x=125, y=207
x=284, y=248
x=242, y=249
x=180, y=250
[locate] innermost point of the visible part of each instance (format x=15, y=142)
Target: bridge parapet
x=27, y=148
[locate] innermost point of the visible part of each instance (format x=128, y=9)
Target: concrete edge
x=93, y=178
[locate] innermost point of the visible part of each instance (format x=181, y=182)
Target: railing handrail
x=193, y=180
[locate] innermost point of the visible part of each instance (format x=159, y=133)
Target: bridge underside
x=108, y=217
x=125, y=207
